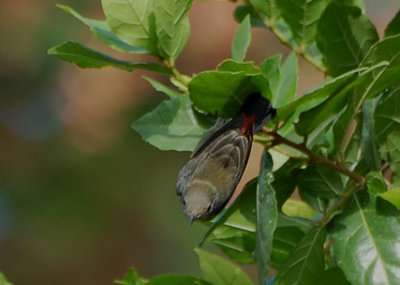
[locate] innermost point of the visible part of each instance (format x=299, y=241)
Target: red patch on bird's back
x=247, y=122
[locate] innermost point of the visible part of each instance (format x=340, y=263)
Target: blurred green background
x=82, y=197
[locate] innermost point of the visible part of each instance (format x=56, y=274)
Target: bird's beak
x=190, y=218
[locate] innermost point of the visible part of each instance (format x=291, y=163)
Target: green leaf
x=375, y=182
x=218, y=271
x=320, y=181
x=237, y=66
x=344, y=36
x=173, y=125
x=333, y=276
x=88, y=58
x=283, y=80
x=302, y=18
x=236, y=236
x=172, y=25
x=266, y=7
x=238, y=245
x=334, y=105
x=288, y=234
x=242, y=11
x=176, y=280
x=131, y=277
x=285, y=181
x=392, y=196
x=304, y=224
x=160, y=27
x=317, y=95
x=162, y=88
x=285, y=240
x=367, y=245
x=267, y=216
x=129, y=20
x=223, y=92
x=270, y=68
x=242, y=40
x=295, y=208
x=306, y=262
x=387, y=128
x=313, y=118
x=102, y=31
x=394, y=26
x=368, y=141
x=382, y=78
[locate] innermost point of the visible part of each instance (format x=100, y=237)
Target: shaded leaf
x=367, y=245
x=267, y=216
x=394, y=26
x=223, y=92
x=344, y=36
x=375, y=182
x=375, y=82
x=302, y=17
x=380, y=79
x=218, y=271
x=102, y=31
x=238, y=245
x=267, y=7
x=242, y=11
x=368, y=141
x=285, y=181
x=305, y=264
x=319, y=94
x=173, y=125
x=236, y=236
x=392, y=196
x=284, y=242
x=242, y=40
x=333, y=276
x=88, y=58
x=312, y=118
x=387, y=128
x=320, y=181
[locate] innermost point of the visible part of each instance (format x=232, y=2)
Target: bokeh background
x=82, y=197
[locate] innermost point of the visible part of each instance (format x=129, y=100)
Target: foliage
x=343, y=151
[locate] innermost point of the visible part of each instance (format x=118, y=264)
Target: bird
x=207, y=181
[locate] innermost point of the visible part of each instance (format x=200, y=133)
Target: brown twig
x=314, y=157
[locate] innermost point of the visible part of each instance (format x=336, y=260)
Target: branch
x=314, y=157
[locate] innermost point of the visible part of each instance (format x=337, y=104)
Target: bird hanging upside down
x=207, y=181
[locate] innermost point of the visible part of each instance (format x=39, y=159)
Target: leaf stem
x=179, y=80
x=314, y=157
